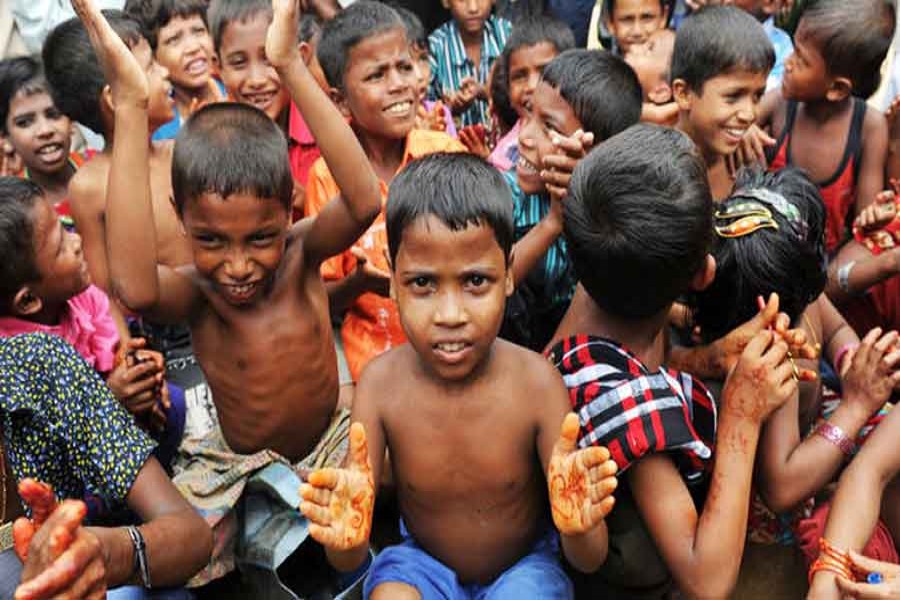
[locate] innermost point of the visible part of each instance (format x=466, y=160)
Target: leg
x=395, y=591
x=406, y=572
x=538, y=575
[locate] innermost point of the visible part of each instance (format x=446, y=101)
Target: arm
x=661, y=114
x=347, y=217
x=874, y=156
x=87, y=204
x=365, y=277
x=869, y=269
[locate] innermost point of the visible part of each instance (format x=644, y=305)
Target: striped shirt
x=450, y=65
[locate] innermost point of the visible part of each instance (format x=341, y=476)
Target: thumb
x=359, y=447
x=568, y=435
x=39, y=497
x=23, y=531
x=768, y=313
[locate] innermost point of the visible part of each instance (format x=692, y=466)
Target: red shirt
x=303, y=151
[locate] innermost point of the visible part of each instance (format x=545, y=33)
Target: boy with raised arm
x=253, y=298
x=472, y=425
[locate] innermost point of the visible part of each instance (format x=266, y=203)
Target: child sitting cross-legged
x=472, y=494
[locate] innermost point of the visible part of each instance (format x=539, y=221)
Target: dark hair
x=73, y=71
x=230, y=148
x=717, y=40
x=17, y=200
x=601, y=88
x=457, y=189
x=610, y=5
x=415, y=31
x=853, y=37
x=501, y=105
x=153, y=15
x=789, y=260
x=531, y=30
x=359, y=21
x=310, y=25
x=223, y=12
x=639, y=220
x=21, y=74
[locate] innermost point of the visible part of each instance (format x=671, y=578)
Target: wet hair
x=601, y=88
x=229, y=148
x=638, y=220
x=153, y=15
x=853, y=37
x=501, y=105
x=718, y=40
x=359, y=21
x=223, y=12
x=22, y=74
x=73, y=71
x=415, y=31
x=789, y=260
x=18, y=198
x=531, y=30
x=610, y=5
x=457, y=189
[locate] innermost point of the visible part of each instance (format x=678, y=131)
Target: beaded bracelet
x=832, y=560
x=836, y=436
x=842, y=353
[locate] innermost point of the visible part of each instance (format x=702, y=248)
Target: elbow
x=710, y=586
x=134, y=301
x=780, y=498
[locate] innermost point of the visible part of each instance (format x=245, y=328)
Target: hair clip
x=733, y=210
x=746, y=225
x=780, y=204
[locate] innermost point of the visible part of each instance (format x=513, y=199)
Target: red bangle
x=836, y=436
x=842, y=353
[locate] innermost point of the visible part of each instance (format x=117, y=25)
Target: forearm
x=588, y=551
x=347, y=561
x=700, y=361
x=867, y=271
x=342, y=293
x=528, y=252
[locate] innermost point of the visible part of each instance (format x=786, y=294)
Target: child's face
x=719, y=116
x=550, y=115
x=632, y=21
x=451, y=289
x=419, y=56
x=805, y=71
x=161, y=108
x=184, y=47
x=651, y=62
x=470, y=15
x=238, y=243
x=379, y=92
x=58, y=257
x=525, y=67
x=39, y=133
x=245, y=70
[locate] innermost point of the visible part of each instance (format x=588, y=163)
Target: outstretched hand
x=888, y=589
x=581, y=482
x=281, y=39
x=339, y=502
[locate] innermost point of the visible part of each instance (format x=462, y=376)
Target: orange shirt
x=371, y=325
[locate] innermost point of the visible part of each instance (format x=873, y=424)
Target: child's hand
x=281, y=40
x=558, y=167
x=888, y=589
x=461, y=99
x=473, y=137
x=126, y=78
x=372, y=279
x=872, y=374
x=752, y=150
x=339, y=502
x=581, y=482
x=878, y=214
x=136, y=379
x=215, y=95
x=432, y=120
x=40, y=498
x=893, y=111
x=10, y=161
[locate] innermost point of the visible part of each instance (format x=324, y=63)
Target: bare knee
x=395, y=591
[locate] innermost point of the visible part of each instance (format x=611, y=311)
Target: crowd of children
x=346, y=307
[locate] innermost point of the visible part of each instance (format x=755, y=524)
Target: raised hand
x=559, y=165
x=888, y=589
x=339, y=502
x=581, y=482
x=281, y=39
x=372, y=279
x=872, y=374
x=474, y=138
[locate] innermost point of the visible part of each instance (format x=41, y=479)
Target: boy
x=177, y=32
x=462, y=52
x=471, y=494
x=719, y=68
x=764, y=11
x=253, y=296
x=639, y=222
x=365, y=56
x=652, y=63
x=632, y=22
x=582, y=98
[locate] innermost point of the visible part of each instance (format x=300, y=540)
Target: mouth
x=197, y=67
x=735, y=134
x=239, y=294
x=526, y=167
x=261, y=100
x=51, y=153
x=452, y=352
x=400, y=109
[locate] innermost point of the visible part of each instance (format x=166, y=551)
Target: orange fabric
x=371, y=325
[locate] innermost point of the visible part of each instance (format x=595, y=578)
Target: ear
x=26, y=302
x=106, y=101
x=704, y=275
x=660, y=94
x=337, y=96
x=840, y=88
x=510, y=282
x=682, y=94
x=306, y=52
x=770, y=7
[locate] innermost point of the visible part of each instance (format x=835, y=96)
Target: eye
x=262, y=239
x=207, y=240
x=23, y=122
x=477, y=281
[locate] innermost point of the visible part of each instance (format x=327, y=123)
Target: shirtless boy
x=472, y=425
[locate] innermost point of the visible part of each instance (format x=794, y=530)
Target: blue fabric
x=171, y=129
x=170, y=439
x=132, y=592
x=781, y=41
x=576, y=14
x=537, y=575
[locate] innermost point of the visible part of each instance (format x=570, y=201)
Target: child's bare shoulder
x=521, y=368
x=874, y=123
x=380, y=376
x=87, y=188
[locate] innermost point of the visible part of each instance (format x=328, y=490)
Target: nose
x=450, y=312
x=45, y=127
x=400, y=81
x=472, y=7
x=258, y=75
x=238, y=267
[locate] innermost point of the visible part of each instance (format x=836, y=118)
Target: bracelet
x=835, y=435
x=140, y=555
x=842, y=353
x=832, y=560
x=843, y=276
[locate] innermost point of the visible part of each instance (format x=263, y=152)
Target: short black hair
x=610, y=5
x=310, y=25
x=153, y=15
x=789, y=260
x=223, y=12
x=228, y=148
x=18, y=267
x=501, y=105
x=359, y=21
x=73, y=71
x=601, y=88
x=531, y=30
x=20, y=74
x=458, y=189
x=853, y=37
x=717, y=40
x=415, y=31
x=638, y=220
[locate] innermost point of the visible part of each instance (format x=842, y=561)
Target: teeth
x=195, y=67
x=400, y=108
x=452, y=347
x=737, y=132
x=526, y=165
x=50, y=149
x=242, y=289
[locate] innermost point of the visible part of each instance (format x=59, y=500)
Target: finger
x=808, y=375
x=870, y=564
x=315, y=513
x=730, y=165
x=604, y=470
x=60, y=574
x=140, y=403
x=571, y=146
x=39, y=497
x=556, y=191
x=568, y=435
x=140, y=372
x=783, y=373
x=861, y=591
x=559, y=179
x=315, y=495
x=60, y=540
x=865, y=346
x=594, y=456
x=782, y=323
x=324, y=478
x=88, y=580
x=323, y=535
x=23, y=531
x=359, y=447
x=600, y=510
x=777, y=353
x=759, y=343
x=560, y=162
x=886, y=342
x=767, y=315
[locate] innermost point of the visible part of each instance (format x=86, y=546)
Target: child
x=719, y=68
x=462, y=51
x=652, y=62
x=764, y=11
x=176, y=30
x=839, y=48
x=582, y=98
x=471, y=494
x=632, y=22
x=638, y=222
x=365, y=56
x=253, y=296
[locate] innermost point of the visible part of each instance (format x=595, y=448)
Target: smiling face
x=58, y=258
x=550, y=114
x=470, y=15
x=379, y=91
x=184, y=47
x=245, y=70
x=238, y=243
x=632, y=21
x=526, y=64
x=451, y=289
x=161, y=108
x=39, y=133
x=805, y=71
